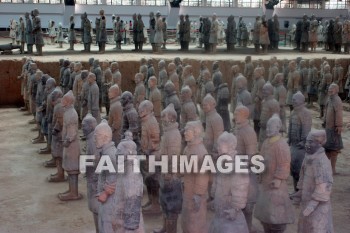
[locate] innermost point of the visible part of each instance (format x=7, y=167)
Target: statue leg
x=96, y=221
x=59, y=176
x=152, y=185
x=163, y=228
x=248, y=214
x=171, y=223
x=73, y=194
x=333, y=156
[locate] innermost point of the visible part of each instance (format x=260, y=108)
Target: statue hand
x=196, y=202
x=338, y=129
x=66, y=143
x=109, y=188
x=102, y=197
x=231, y=214
x=311, y=206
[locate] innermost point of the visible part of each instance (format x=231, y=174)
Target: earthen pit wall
x=10, y=86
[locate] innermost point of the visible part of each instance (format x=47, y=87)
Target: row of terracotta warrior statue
x=175, y=114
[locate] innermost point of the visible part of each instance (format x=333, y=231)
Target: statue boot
x=59, y=176
x=39, y=139
x=163, y=229
x=171, y=224
x=154, y=207
x=47, y=149
x=73, y=194
x=149, y=202
x=50, y=163
x=33, y=121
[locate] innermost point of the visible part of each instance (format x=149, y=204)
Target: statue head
x=84, y=74
x=151, y=14
x=187, y=71
x=333, y=89
x=267, y=90
x=298, y=99
x=278, y=79
x=38, y=74
x=113, y=91
x=152, y=82
x=248, y=59
x=208, y=103
x=77, y=66
x=315, y=140
x=88, y=124
x=206, y=75
x=169, y=88
x=193, y=130
x=105, y=64
x=235, y=69
x=66, y=63
x=71, y=18
x=227, y=143
x=102, y=134
x=144, y=70
x=56, y=95
x=145, y=108
x=114, y=66
x=292, y=65
x=216, y=65
x=257, y=72
x=169, y=115
x=241, y=114
x=171, y=67
x=91, y=78
x=126, y=98
x=91, y=61
x=50, y=84
x=68, y=99
x=102, y=12
x=273, y=126
x=177, y=61
x=96, y=63
x=35, y=12
x=186, y=93
x=241, y=83
x=161, y=64
x=138, y=78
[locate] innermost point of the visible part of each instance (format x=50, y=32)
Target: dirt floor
x=29, y=204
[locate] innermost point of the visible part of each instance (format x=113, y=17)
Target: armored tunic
x=139, y=95
x=150, y=134
x=57, y=123
x=273, y=205
x=315, y=184
x=174, y=99
x=188, y=113
x=312, y=81
x=333, y=118
x=338, y=76
x=222, y=100
x=323, y=88
x=115, y=117
x=71, y=153
x=293, y=85
x=213, y=129
x=93, y=102
x=257, y=97
x=156, y=99
x=269, y=106
x=280, y=94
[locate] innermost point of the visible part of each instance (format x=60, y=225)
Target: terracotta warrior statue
x=312, y=81
x=304, y=75
x=106, y=84
x=194, y=206
x=216, y=76
x=300, y=122
x=231, y=33
x=273, y=69
x=162, y=79
x=170, y=191
x=338, y=77
x=207, y=88
x=71, y=150
x=155, y=97
x=243, y=95
x=84, y=95
x=150, y=140
x=188, y=108
x=77, y=87
x=280, y=94
x=116, y=75
x=269, y=106
x=273, y=207
x=171, y=97
x=173, y=76
x=246, y=145
x=86, y=38
x=259, y=82
x=190, y=81
x=130, y=116
x=140, y=90
x=93, y=97
x=326, y=80
x=293, y=84
x=333, y=123
x=235, y=74
x=222, y=100
x=248, y=71
x=96, y=69
x=315, y=187
x=115, y=116
x=88, y=126
x=230, y=193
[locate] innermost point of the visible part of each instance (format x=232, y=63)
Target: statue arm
x=283, y=157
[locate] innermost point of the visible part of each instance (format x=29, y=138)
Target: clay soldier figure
x=23, y=78
x=207, y=88
x=312, y=81
x=200, y=80
x=333, y=123
x=179, y=68
x=38, y=34
x=118, y=32
x=116, y=75
x=246, y=145
x=222, y=100
x=257, y=97
x=38, y=98
x=170, y=191
x=273, y=69
x=106, y=186
x=182, y=32
x=269, y=106
x=103, y=32
x=71, y=150
x=273, y=207
x=285, y=71
x=235, y=74
x=293, y=84
x=248, y=71
x=300, y=123
x=216, y=76
x=326, y=81
x=116, y=113
x=56, y=143
x=150, y=72
x=190, y=81
x=98, y=73
x=28, y=33
x=88, y=126
x=231, y=33
x=71, y=37
x=206, y=34
x=163, y=78
x=243, y=96
x=213, y=39
x=155, y=97
x=150, y=140
x=84, y=95
x=152, y=29
x=130, y=116
x=106, y=84
x=140, y=90
x=256, y=34
x=158, y=37
x=32, y=89
x=315, y=187
x=338, y=76
x=313, y=33
x=194, y=207
x=129, y=191
x=188, y=108
x=77, y=87
x=172, y=98
x=337, y=32
x=280, y=94
x=305, y=28
x=86, y=33
x=92, y=101
x=230, y=193
x=173, y=76
x=304, y=73
x=214, y=125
